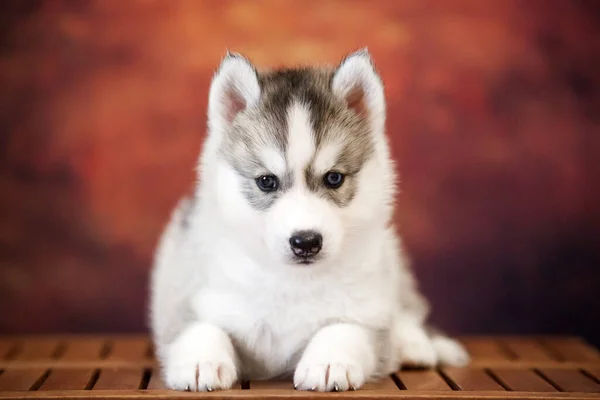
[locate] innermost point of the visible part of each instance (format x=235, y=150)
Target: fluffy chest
x=271, y=322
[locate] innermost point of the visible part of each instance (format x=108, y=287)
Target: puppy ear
x=234, y=88
x=358, y=84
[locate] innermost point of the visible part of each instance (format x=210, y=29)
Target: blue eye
x=267, y=183
x=333, y=180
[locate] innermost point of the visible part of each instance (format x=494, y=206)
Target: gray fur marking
x=266, y=126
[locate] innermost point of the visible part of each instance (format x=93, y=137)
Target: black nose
x=306, y=243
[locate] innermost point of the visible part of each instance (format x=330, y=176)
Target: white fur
x=339, y=357
x=326, y=157
x=301, y=144
x=227, y=303
x=202, y=358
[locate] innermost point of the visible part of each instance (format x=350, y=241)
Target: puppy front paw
x=340, y=357
x=328, y=376
x=201, y=359
x=200, y=375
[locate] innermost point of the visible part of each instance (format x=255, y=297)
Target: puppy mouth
x=299, y=260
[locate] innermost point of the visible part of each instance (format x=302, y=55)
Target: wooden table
x=115, y=367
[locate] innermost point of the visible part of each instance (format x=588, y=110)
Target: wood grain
x=129, y=349
x=38, y=349
x=119, y=378
x=527, y=350
x=422, y=380
x=83, y=349
x=572, y=349
x=485, y=350
x=571, y=380
x=472, y=379
x=20, y=379
x=522, y=380
x=67, y=379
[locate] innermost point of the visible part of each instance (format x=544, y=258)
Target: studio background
x=493, y=113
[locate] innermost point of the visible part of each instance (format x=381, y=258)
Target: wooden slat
x=119, y=378
x=156, y=382
x=271, y=385
x=472, y=379
x=83, y=350
x=6, y=346
x=128, y=349
x=527, y=350
x=422, y=380
x=20, y=379
x=281, y=395
x=522, y=380
x=571, y=380
x=594, y=371
x=572, y=349
x=482, y=350
x=67, y=379
x=383, y=385
x=38, y=349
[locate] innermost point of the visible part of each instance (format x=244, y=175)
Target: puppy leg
x=339, y=357
x=414, y=345
x=202, y=358
x=420, y=348
x=449, y=351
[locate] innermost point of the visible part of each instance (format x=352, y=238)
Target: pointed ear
x=358, y=84
x=234, y=88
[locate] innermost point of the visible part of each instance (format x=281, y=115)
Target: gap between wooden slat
x=591, y=375
x=106, y=349
x=497, y=379
x=83, y=350
x=146, y=376
x=40, y=381
x=42, y=349
x=551, y=351
x=528, y=349
x=14, y=351
x=59, y=351
x=423, y=380
x=522, y=380
x=453, y=385
x=67, y=379
x=472, y=379
x=572, y=349
x=93, y=379
x=507, y=351
x=119, y=379
x=399, y=384
x=572, y=380
x=547, y=379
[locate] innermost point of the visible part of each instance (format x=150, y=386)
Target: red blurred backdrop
x=494, y=114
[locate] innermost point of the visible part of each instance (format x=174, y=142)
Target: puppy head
x=301, y=165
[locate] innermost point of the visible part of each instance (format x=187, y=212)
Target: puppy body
x=236, y=293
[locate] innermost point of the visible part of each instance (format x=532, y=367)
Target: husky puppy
x=283, y=263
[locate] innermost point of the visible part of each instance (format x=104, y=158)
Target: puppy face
x=302, y=158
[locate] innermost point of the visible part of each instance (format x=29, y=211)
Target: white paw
x=327, y=377
x=201, y=359
x=340, y=357
x=416, y=348
x=200, y=376
x=450, y=352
